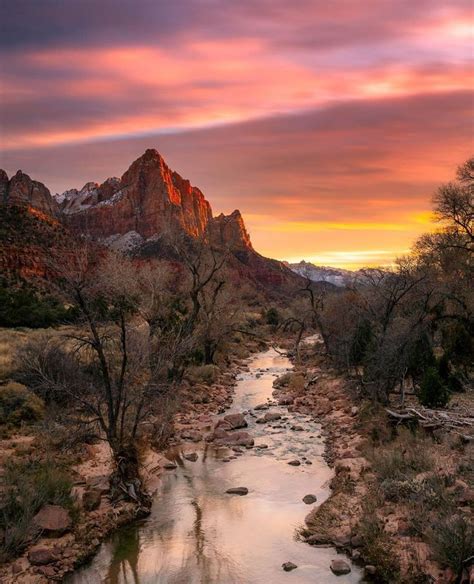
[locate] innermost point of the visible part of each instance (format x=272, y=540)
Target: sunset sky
x=329, y=124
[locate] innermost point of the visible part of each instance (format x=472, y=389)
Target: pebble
x=288, y=566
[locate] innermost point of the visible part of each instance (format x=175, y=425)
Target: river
x=198, y=534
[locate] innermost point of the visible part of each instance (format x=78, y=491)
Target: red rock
x=22, y=190
x=148, y=199
x=236, y=421
x=40, y=555
x=53, y=520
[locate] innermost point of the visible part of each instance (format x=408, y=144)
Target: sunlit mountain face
x=328, y=124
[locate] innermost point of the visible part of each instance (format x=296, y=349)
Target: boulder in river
x=309, y=499
x=271, y=416
x=294, y=462
x=236, y=421
x=237, y=491
x=340, y=567
x=239, y=438
x=191, y=456
x=289, y=566
x=170, y=465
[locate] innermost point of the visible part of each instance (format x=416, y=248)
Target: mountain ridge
x=133, y=213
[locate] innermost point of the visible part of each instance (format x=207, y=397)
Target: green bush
x=272, y=316
x=361, y=343
x=27, y=487
x=18, y=404
x=433, y=392
x=25, y=306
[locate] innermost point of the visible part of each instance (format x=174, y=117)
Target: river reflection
x=197, y=534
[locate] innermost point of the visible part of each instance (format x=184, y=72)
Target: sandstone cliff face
x=130, y=214
x=229, y=231
x=149, y=199
x=22, y=190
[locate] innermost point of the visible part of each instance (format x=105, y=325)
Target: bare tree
x=104, y=369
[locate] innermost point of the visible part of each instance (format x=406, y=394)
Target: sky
x=328, y=124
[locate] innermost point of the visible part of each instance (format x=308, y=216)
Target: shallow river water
x=198, y=534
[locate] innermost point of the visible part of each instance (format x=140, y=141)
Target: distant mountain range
x=335, y=276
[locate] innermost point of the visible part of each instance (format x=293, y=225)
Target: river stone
x=340, y=567
x=317, y=539
x=237, y=491
x=288, y=566
x=285, y=400
x=170, y=465
x=271, y=416
x=193, y=435
x=357, y=541
x=294, y=462
x=261, y=407
x=309, y=499
x=236, y=421
x=53, y=520
x=191, y=456
x=370, y=570
x=239, y=438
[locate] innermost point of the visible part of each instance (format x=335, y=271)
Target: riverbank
x=230, y=504
x=49, y=554
x=392, y=487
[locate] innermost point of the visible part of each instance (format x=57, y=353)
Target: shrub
x=377, y=546
x=25, y=306
x=272, y=316
x=18, y=404
x=27, y=487
x=284, y=380
x=203, y=374
x=297, y=382
x=433, y=392
x=403, y=458
x=361, y=343
x=452, y=540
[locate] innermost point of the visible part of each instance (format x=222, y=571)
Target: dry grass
x=12, y=340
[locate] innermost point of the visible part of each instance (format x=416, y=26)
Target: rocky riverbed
x=230, y=507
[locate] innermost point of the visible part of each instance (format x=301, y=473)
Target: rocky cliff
x=149, y=199
x=229, y=231
x=131, y=214
x=22, y=190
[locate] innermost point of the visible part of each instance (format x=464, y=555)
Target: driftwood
x=434, y=419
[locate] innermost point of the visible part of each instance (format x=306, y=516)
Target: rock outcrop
x=149, y=199
x=229, y=231
x=133, y=214
x=22, y=190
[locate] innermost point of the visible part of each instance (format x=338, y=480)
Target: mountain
x=134, y=213
x=336, y=276
x=22, y=190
